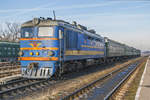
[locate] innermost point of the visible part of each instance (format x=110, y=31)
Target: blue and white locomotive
x=51, y=47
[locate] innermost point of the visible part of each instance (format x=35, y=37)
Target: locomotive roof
x=50, y=22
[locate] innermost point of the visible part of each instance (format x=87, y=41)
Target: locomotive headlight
x=50, y=53
x=31, y=53
x=20, y=53
x=37, y=53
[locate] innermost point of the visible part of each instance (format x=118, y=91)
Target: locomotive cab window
x=45, y=31
x=27, y=32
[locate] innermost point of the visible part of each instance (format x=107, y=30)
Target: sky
x=126, y=21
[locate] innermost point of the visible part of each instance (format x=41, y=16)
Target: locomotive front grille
x=37, y=73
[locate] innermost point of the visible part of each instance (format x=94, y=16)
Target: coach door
x=61, y=43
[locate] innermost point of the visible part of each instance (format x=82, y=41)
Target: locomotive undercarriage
x=80, y=64
x=71, y=66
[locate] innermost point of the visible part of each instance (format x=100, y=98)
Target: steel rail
x=15, y=81
x=21, y=87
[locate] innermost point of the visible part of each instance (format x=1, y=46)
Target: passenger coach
x=9, y=51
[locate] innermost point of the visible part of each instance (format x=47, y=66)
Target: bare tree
x=10, y=32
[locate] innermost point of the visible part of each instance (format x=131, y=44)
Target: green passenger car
x=9, y=51
x=114, y=49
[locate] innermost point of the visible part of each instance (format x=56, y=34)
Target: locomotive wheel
x=58, y=74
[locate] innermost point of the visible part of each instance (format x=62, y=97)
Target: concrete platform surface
x=143, y=92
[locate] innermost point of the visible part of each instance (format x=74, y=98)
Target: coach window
x=9, y=53
x=27, y=32
x=89, y=38
x=45, y=32
x=60, y=34
x=100, y=40
x=13, y=52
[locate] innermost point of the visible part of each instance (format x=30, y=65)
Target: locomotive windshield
x=27, y=32
x=45, y=31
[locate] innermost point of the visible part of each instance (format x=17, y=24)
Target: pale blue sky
x=127, y=21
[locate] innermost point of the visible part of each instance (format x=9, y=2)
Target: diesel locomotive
x=51, y=47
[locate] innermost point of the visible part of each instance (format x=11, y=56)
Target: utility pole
x=54, y=15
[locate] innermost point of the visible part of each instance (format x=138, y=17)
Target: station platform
x=143, y=92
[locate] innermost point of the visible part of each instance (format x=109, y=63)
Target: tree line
x=10, y=31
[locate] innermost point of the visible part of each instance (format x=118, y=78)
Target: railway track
x=124, y=88
x=104, y=87
x=3, y=64
x=22, y=86
x=6, y=71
